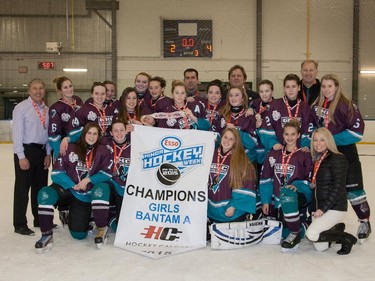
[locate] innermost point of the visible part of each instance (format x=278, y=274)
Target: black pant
x=35, y=177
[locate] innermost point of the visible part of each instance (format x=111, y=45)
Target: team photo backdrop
x=164, y=209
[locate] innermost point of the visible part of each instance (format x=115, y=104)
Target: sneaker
x=101, y=236
x=291, y=242
x=364, y=230
x=64, y=217
x=45, y=243
x=24, y=230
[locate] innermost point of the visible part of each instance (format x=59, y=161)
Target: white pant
x=323, y=223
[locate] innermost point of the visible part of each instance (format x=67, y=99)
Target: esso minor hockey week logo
x=172, y=160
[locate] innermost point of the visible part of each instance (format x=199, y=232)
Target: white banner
x=164, y=210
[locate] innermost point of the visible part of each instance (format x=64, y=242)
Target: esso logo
x=170, y=143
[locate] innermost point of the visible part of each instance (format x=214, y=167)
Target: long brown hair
x=81, y=145
x=123, y=112
x=339, y=96
x=225, y=111
x=241, y=168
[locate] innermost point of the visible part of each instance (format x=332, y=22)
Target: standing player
x=74, y=174
x=91, y=112
x=342, y=118
x=183, y=114
x=232, y=114
x=260, y=107
x=62, y=113
x=285, y=176
x=283, y=110
x=214, y=101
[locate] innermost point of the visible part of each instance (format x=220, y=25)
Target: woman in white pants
x=329, y=202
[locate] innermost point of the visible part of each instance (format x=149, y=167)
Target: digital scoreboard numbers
x=187, y=38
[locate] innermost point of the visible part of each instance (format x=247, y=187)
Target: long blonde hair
x=241, y=169
x=339, y=95
x=328, y=138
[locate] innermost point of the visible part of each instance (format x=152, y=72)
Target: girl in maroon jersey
x=183, y=114
x=62, y=113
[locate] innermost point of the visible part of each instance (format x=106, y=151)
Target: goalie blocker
x=237, y=235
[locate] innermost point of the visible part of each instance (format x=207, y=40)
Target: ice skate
x=63, y=216
x=290, y=244
x=364, y=231
x=44, y=244
x=101, y=236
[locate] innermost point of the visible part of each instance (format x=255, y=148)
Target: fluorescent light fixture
x=75, y=69
x=367, y=72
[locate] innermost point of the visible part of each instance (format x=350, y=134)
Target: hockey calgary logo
x=172, y=160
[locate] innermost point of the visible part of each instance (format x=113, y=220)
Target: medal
x=214, y=180
x=312, y=185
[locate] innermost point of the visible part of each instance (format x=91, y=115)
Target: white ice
x=71, y=260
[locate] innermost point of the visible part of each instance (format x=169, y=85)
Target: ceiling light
x=367, y=71
x=75, y=69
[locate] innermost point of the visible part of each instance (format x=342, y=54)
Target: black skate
x=101, y=236
x=44, y=244
x=364, y=231
x=290, y=244
x=63, y=216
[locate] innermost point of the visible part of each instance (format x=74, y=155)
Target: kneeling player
x=74, y=174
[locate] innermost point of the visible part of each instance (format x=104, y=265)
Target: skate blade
x=362, y=240
x=45, y=249
x=290, y=250
x=100, y=245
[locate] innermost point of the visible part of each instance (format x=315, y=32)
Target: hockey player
x=283, y=110
x=91, y=112
x=260, y=107
x=183, y=114
x=130, y=112
x=342, y=118
x=110, y=194
x=214, y=101
x=329, y=200
x=232, y=181
x=110, y=98
x=62, y=113
x=232, y=114
x=285, y=175
x=85, y=164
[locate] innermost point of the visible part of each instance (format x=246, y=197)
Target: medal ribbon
x=212, y=115
x=89, y=156
x=220, y=164
x=326, y=116
x=72, y=104
x=102, y=116
x=317, y=166
x=42, y=118
x=116, y=156
x=235, y=118
x=130, y=119
x=290, y=109
x=285, y=165
x=186, y=122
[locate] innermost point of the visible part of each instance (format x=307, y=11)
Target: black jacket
x=330, y=191
x=314, y=92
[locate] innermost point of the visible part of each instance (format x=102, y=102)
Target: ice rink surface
x=71, y=260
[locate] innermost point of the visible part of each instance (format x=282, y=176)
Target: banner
x=164, y=210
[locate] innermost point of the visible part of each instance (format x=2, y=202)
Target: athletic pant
x=35, y=178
